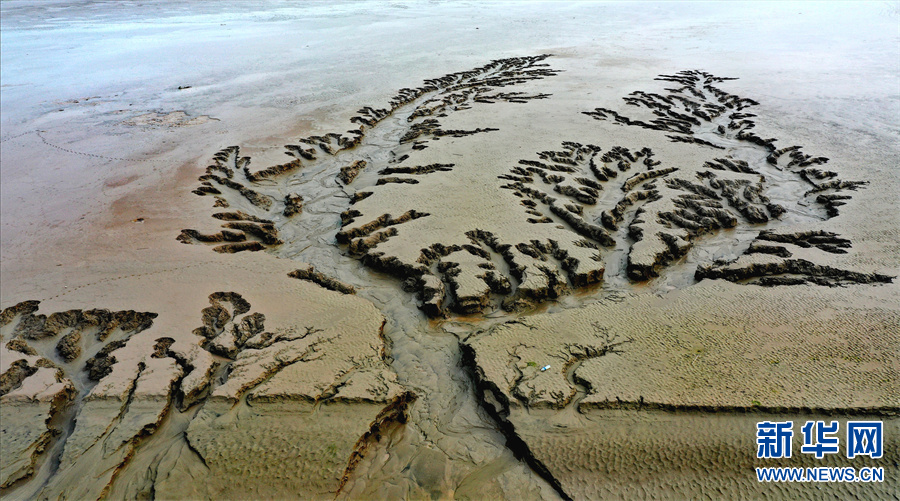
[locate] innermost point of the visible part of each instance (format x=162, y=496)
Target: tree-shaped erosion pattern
x=468, y=234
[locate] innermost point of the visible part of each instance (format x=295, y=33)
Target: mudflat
x=398, y=250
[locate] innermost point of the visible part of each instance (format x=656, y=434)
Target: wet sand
x=514, y=204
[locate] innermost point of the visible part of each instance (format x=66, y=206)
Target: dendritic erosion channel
x=379, y=213
x=596, y=213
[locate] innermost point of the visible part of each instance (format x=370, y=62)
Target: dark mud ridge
x=886, y=411
x=789, y=272
x=496, y=404
x=395, y=414
x=780, y=267
x=311, y=275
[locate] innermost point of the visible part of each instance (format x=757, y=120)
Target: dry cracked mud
x=489, y=319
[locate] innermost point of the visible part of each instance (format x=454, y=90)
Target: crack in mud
x=499, y=410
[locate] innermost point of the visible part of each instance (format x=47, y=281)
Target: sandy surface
x=625, y=454
x=507, y=203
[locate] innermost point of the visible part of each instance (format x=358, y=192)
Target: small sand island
x=390, y=250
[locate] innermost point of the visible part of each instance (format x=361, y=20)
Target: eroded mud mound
x=48, y=363
x=784, y=259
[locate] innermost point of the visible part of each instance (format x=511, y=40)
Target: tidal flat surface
x=442, y=250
